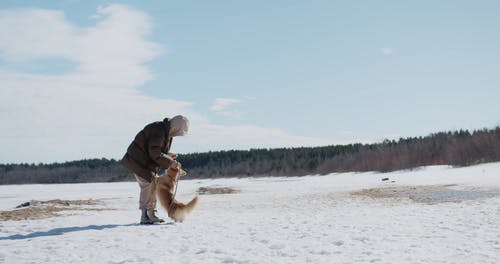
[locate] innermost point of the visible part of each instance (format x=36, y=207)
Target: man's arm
x=154, y=150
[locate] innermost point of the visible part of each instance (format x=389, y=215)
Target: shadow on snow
x=65, y=230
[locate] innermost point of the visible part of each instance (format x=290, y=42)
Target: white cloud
x=112, y=52
x=216, y=137
x=231, y=113
x=221, y=104
x=95, y=109
x=21, y=29
x=387, y=51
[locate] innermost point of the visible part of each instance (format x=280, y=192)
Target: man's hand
x=175, y=165
x=172, y=155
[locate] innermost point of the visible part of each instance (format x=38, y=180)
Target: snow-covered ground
x=316, y=219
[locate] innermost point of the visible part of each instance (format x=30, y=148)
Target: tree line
x=456, y=148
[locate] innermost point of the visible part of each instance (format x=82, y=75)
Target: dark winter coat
x=148, y=152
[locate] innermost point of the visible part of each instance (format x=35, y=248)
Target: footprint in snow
x=338, y=243
x=277, y=246
x=201, y=251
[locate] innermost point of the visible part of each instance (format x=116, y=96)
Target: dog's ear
x=170, y=172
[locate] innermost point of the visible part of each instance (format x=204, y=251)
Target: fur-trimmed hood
x=179, y=126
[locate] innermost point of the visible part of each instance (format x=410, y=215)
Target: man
x=147, y=154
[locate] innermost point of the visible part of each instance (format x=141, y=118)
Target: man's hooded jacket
x=148, y=152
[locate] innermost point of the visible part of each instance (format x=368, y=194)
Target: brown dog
x=165, y=186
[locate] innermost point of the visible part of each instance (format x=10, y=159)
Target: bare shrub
x=216, y=190
x=45, y=209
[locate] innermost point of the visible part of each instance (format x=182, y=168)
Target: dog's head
x=167, y=180
x=171, y=172
x=170, y=177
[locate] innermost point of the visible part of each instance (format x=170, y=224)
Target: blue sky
x=78, y=79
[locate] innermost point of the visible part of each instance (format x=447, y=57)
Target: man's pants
x=147, y=199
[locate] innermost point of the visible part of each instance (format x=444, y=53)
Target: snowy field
x=430, y=215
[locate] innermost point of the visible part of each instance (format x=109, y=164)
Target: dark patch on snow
x=428, y=194
x=216, y=190
x=45, y=209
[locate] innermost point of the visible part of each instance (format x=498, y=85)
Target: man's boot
x=144, y=218
x=152, y=217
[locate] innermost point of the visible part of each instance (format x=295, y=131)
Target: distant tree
x=457, y=148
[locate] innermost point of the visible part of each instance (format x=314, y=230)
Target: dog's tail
x=178, y=211
x=191, y=205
